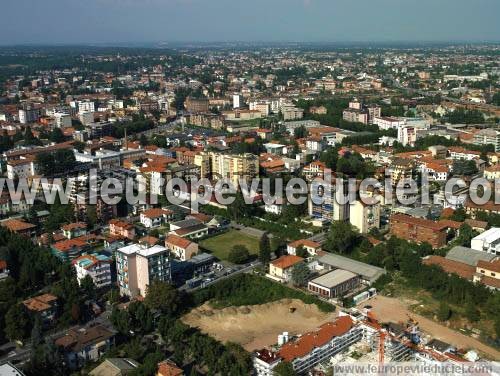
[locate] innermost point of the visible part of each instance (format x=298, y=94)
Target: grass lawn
x=220, y=245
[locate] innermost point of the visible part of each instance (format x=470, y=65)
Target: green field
x=220, y=245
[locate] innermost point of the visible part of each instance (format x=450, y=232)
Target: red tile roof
x=418, y=222
x=178, y=241
x=16, y=225
x=451, y=266
x=169, y=368
x=305, y=344
x=287, y=261
x=493, y=266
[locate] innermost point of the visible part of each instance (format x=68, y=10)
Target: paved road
x=244, y=269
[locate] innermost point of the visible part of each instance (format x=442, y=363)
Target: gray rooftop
x=468, y=255
x=334, y=278
x=186, y=223
x=367, y=272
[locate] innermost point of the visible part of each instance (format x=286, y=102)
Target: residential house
x=155, y=217
x=74, y=230
x=189, y=228
x=20, y=227
x=4, y=270
x=44, y=305
x=183, y=248
x=311, y=247
x=122, y=229
x=281, y=268
x=82, y=345
x=169, y=368
x=115, y=367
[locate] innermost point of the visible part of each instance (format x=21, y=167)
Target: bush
x=239, y=254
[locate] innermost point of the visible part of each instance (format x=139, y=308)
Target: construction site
x=358, y=336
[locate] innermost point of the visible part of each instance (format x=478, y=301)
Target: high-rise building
x=138, y=265
x=238, y=101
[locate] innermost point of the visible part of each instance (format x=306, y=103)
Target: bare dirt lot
x=395, y=310
x=258, y=326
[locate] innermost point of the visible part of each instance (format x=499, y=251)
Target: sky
x=137, y=21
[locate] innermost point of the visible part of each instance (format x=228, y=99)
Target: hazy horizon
x=108, y=22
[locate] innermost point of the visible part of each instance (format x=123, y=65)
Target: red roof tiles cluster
x=305, y=344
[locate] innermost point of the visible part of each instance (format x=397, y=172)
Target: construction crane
x=381, y=347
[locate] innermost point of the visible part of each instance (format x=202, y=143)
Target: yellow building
x=234, y=167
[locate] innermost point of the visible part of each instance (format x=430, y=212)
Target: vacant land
x=388, y=309
x=257, y=326
x=220, y=245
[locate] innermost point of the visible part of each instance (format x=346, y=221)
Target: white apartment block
x=98, y=267
x=488, y=241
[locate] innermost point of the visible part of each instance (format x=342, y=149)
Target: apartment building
x=407, y=135
x=419, y=230
x=401, y=169
x=234, y=167
x=488, y=136
x=28, y=114
x=291, y=113
x=488, y=241
x=355, y=115
x=196, y=104
x=385, y=122
x=323, y=203
x=365, y=215
x=96, y=266
x=311, y=348
x=137, y=265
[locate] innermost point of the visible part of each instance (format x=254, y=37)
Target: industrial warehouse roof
x=333, y=278
x=468, y=256
x=367, y=272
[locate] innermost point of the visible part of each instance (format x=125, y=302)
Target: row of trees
x=33, y=269
x=401, y=256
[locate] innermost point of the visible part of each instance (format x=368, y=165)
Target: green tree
x=284, y=369
x=300, y=274
x=444, y=311
x=341, y=238
x=57, y=136
x=238, y=254
x=471, y=311
x=162, y=296
x=17, y=323
x=301, y=252
x=88, y=287
x=264, y=249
